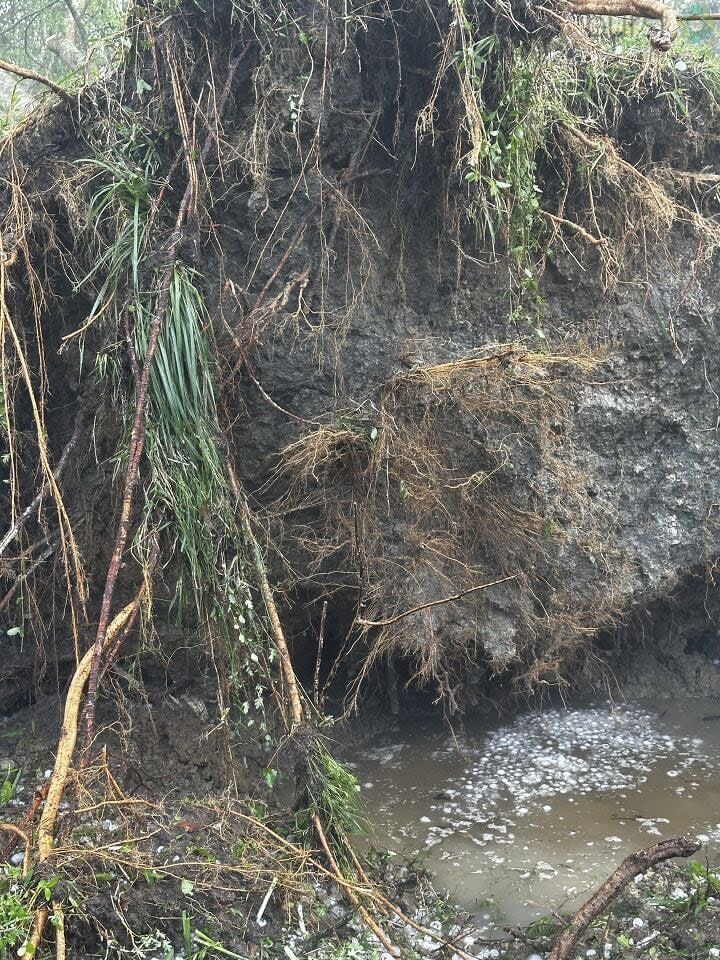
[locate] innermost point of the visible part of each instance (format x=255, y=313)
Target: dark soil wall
x=340, y=262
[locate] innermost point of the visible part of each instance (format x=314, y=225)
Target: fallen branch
x=350, y=893
x=434, y=603
x=631, y=866
x=38, y=77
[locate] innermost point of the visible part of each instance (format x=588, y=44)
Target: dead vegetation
x=416, y=491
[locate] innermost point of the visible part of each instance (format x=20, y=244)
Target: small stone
x=638, y=922
x=16, y=859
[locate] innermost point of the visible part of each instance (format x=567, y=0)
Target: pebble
x=638, y=922
x=16, y=859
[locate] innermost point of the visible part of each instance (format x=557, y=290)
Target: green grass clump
x=334, y=794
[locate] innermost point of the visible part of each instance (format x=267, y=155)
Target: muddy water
x=520, y=818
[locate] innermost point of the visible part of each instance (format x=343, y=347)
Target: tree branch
x=434, y=603
x=38, y=77
x=631, y=866
x=648, y=9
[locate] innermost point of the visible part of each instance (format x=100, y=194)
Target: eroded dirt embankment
x=445, y=298
x=419, y=411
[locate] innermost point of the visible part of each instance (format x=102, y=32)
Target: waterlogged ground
x=533, y=814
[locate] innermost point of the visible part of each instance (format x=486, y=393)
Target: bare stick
x=631, y=866
x=434, y=603
x=318, y=659
x=40, y=496
x=38, y=77
x=349, y=891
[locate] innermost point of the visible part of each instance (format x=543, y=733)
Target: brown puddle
x=533, y=814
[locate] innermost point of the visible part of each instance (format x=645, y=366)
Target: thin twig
x=40, y=496
x=434, y=603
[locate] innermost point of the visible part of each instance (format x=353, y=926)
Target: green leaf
x=270, y=776
x=187, y=886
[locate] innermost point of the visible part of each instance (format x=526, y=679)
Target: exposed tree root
x=188, y=207
x=631, y=866
x=69, y=732
x=61, y=772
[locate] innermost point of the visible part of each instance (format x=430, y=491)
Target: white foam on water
x=541, y=806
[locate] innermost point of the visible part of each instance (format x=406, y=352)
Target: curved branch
x=38, y=77
x=434, y=603
x=631, y=866
x=648, y=9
